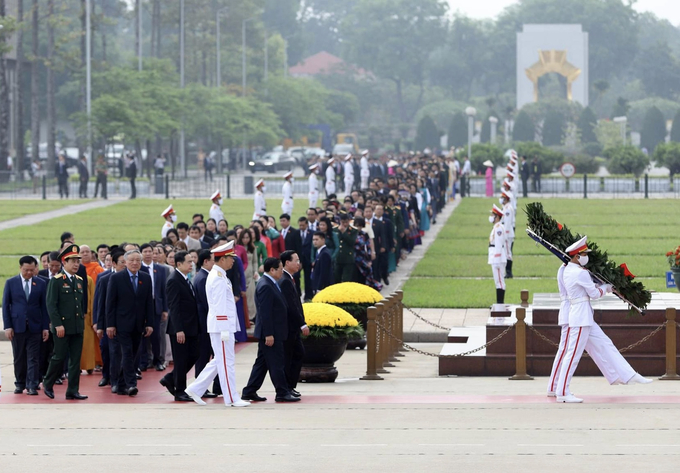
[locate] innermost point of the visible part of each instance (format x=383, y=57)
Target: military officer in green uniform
x=67, y=323
x=345, y=264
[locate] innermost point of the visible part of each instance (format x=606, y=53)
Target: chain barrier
x=436, y=355
x=622, y=350
x=425, y=320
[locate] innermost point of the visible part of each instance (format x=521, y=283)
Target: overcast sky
x=669, y=9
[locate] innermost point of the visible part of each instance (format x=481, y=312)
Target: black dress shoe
x=59, y=382
x=167, y=385
x=114, y=389
x=32, y=392
x=183, y=398
x=295, y=393
x=48, y=392
x=104, y=382
x=76, y=397
x=143, y=368
x=209, y=395
x=18, y=390
x=253, y=398
x=128, y=391
x=159, y=367
x=286, y=398
x=138, y=374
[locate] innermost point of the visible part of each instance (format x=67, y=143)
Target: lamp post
x=494, y=127
x=139, y=35
x=182, y=156
x=88, y=75
x=218, y=62
x=622, y=121
x=243, y=56
x=470, y=112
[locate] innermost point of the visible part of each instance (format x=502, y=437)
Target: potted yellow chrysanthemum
x=354, y=298
x=329, y=329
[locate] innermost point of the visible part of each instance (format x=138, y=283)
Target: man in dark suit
x=65, y=306
x=292, y=241
x=46, y=347
x=524, y=172
x=83, y=177
x=99, y=315
x=159, y=277
x=26, y=323
x=129, y=313
x=183, y=327
x=195, y=233
x=293, y=348
x=322, y=269
x=132, y=174
x=305, y=254
x=271, y=328
x=61, y=171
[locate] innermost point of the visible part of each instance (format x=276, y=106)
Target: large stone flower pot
x=318, y=364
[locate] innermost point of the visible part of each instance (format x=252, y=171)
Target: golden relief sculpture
x=553, y=61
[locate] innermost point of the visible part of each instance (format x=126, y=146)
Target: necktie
x=153, y=285
x=26, y=288
x=192, y=288
x=134, y=282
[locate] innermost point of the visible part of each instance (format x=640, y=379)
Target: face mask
x=219, y=201
x=501, y=200
x=491, y=219
x=173, y=218
x=263, y=188
x=292, y=180
x=583, y=260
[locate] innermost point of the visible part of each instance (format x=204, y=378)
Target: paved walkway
x=62, y=212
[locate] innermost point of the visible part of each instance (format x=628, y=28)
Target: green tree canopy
x=524, y=129
x=483, y=151
x=457, y=131
x=554, y=127
x=586, y=126
x=653, y=129
x=675, y=130
x=668, y=154
x=531, y=149
x=626, y=159
x=427, y=134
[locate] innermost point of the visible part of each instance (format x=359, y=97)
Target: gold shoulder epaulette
x=79, y=277
x=60, y=275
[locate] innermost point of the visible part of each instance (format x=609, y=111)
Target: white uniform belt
x=579, y=300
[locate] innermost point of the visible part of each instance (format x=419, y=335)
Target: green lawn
x=455, y=273
x=12, y=209
x=134, y=220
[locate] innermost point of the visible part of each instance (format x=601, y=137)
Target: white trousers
x=364, y=182
x=287, y=206
x=508, y=245
x=330, y=187
x=498, y=275
x=221, y=365
x=601, y=349
x=348, y=186
x=313, y=197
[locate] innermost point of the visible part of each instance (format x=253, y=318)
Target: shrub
x=550, y=158
x=586, y=125
x=553, y=128
x=675, y=129
x=524, y=129
x=457, y=131
x=626, y=159
x=427, y=135
x=653, y=129
x=668, y=154
x=483, y=151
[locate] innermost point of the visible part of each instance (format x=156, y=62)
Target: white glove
x=609, y=288
x=224, y=336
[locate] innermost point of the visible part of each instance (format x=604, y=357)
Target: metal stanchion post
x=387, y=340
x=585, y=186
x=521, y=347
x=399, y=314
x=228, y=185
x=44, y=187
x=392, y=324
x=671, y=348
x=167, y=186
x=646, y=186
x=371, y=346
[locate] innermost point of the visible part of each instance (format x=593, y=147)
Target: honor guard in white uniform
x=365, y=171
x=260, y=204
x=170, y=217
x=349, y=174
x=510, y=177
x=508, y=187
x=313, y=193
x=287, y=191
x=508, y=222
x=216, y=209
x=583, y=331
x=330, y=177
x=498, y=253
x=222, y=324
